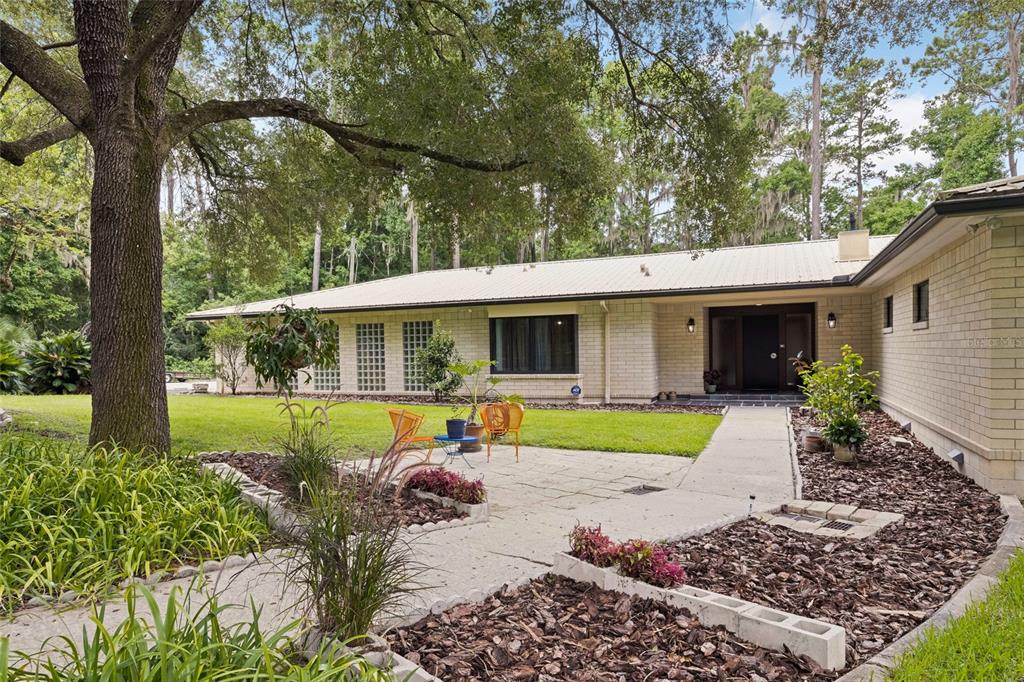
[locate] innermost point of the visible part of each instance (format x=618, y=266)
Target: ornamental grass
x=82, y=519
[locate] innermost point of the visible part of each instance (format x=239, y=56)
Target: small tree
x=838, y=392
x=435, y=361
x=228, y=339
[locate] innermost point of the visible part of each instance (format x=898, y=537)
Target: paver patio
x=533, y=506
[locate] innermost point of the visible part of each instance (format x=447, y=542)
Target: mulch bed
x=558, y=629
x=878, y=588
x=265, y=468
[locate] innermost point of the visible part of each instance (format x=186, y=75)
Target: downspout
x=607, y=353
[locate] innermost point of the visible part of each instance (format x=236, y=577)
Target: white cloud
x=768, y=17
x=909, y=111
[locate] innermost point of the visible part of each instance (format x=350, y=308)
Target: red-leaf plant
x=639, y=559
x=449, y=484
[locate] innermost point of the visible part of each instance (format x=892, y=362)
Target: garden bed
x=265, y=469
x=877, y=588
x=555, y=628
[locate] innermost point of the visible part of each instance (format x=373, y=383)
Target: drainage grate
x=839, y=525
x=642, y=489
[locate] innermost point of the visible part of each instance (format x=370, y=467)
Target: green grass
x=82, y=519
x=985, y=643
x=225, y=423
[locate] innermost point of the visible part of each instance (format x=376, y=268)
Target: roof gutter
x=929, y=218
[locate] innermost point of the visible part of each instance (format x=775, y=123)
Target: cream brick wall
x=960, y=379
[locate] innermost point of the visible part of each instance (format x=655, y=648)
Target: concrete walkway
x=534, y=504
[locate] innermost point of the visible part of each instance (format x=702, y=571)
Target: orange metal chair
x=407, y=424
x=501, y=419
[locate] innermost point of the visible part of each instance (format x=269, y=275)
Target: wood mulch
x=265, y=468
x=557, y=629
x=878, y=588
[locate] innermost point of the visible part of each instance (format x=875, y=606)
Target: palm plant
x=12, y=369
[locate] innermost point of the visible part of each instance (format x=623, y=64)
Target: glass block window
x=327, y=378
x=415, y=335
x=370, y=356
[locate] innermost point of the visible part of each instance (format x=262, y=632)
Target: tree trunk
x=169, y=170
x=414, y=235
x=1013, y=93
x=860, y=171
x=456, y=253
x=129, y=399
x=317, y=235
x=817, y=157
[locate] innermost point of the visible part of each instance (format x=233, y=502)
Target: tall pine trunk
x=817, y=157
x=1013, y=93
x=129, y=399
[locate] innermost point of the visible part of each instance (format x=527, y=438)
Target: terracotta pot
x=710, y=388
x=844, y=453
x=813, y=441
x=473, y=431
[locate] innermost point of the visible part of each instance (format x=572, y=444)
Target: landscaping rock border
x=284, y=520
x=794, y=459
x=822, y=642
x=1010, y=541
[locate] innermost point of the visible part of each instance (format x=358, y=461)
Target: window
x=326, y=378
x=534, y=345
x=887, y=321
x=370, y=356
x=921, y=302
x=414, y=337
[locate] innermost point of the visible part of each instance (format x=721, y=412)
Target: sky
x=908, y=110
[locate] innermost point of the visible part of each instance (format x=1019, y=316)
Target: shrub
x=12, y=369
x=712, y=377
x=448, y=484
x=435, y=361
x=838, y=392
x=187, y=646
x=82, y=519
x=60, y=363
x=200, y=367
x=589, y=544
x=352, y=562
x=649, y=562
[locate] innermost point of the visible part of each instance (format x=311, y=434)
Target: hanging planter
x=285, y=341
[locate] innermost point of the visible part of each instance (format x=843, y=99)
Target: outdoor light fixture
x=690, y=325
x=831, y=320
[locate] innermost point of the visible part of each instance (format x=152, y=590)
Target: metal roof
x=769, y=266
x=1002, y=186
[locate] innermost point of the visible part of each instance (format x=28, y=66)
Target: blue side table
x=450, y=446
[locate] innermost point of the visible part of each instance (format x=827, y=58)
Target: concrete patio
x=534, y=504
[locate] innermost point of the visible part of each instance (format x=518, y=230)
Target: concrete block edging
x=284, y=520
x=794, y=460
x=1010, y=541
x=823, y=642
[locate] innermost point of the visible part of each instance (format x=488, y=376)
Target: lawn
x=985, y=643
x=225, y=423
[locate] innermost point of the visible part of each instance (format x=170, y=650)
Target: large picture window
x=534, y=345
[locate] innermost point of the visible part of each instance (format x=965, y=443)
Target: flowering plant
x=649, y=562
x=449, y=484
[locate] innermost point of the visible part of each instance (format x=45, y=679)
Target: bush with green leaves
x=838, y=393
x=286, y=340
x=13, y=369
x=200, y=367
x=181, y=645
x=60, y=363
x=83, y=519
x=308, y=453
x=435, y=361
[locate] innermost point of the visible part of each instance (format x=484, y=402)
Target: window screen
x=921, y=301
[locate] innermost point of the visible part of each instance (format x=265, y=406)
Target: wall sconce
x=831, y=320
x=691, y=325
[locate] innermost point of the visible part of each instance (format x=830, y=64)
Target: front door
x=761, y=352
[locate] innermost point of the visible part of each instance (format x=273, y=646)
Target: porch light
x=831, y=320
x=691, y=325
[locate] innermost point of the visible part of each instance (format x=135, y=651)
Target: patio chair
x=501, y=419
x=407, y=424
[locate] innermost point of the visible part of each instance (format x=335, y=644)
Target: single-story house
x=938, y=310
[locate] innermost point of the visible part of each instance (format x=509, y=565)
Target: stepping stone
x=900, y=442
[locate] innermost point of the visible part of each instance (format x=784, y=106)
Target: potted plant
x=480, y=389
x=846, y=433
x=711, y=379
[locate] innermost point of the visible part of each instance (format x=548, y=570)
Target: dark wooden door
x=761, y=353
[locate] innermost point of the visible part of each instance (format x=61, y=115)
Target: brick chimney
x=853, y=245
